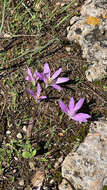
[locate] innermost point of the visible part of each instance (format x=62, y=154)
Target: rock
x=90, y=30
x=68, y=49
x=19, y=136
x=38, y=178
x=8, y=132
x=52, y=182
x=16, y=158
x=86, y=169
x=65, y=185
x=21, y=182
x=24, y=129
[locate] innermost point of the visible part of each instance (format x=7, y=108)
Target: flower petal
x=71, y=105
x=46, y=69
x=81, y=117
x=62, y=80
x=55, y=75
x=29, y=76
x=36, y=75
x=42, y=97
x=63, y=106
x=56, y=87
x=31, y=93
x=41, y=76
x=38, y=188
x=29, y=71
x=79, y=104
x=38, y=89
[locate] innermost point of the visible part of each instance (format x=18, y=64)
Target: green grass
x=28, y=23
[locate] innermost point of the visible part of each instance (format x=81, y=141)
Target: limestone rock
x=86, y=169
x=90, y=30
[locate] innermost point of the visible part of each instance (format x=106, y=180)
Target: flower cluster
x=52, y=80
x=55, y=81
x=46, y=77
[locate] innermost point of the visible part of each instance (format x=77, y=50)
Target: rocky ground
x=35, y=138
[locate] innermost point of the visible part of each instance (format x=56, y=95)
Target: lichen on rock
x=86, y=169
x=90, y=30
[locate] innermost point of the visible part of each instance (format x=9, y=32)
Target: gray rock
x=90, y=30
x=86, y=169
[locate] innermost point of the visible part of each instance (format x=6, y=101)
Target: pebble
x=8, y=132
x=24, y=128
x=16, y=158
x=52, y=181
x=68, y=49
x=21, y=182
x=19, y=136
x=14, y=171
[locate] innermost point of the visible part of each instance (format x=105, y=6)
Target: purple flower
x=72, y=109
x=32, y=78
x=52, y=80
x=36, y=95
x=38, y=188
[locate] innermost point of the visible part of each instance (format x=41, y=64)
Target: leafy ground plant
x=29, y=151
x=33, y=33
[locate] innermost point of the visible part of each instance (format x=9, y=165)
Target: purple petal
x=46, y=69
x=31, y=93
x=36, y=75
x=56, y=87
x=63, y=106
x=29, y=76
x=42, y=97
x=41, y=76
x=38, y=89
x=38, y=188
x=71, y=105
x=29, y=71
x=56, y=74
x=79, y=104
x=46, y=78
x=62, y=80
x=81, y=117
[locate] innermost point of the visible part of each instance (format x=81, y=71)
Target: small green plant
x=8, y=151
x=29, y=151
